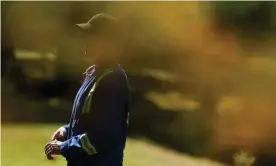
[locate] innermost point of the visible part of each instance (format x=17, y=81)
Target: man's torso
x=79, y=122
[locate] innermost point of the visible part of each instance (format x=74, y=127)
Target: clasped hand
x=53, y=147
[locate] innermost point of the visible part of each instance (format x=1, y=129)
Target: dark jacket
x=98, y=127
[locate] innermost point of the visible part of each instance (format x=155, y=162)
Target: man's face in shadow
x=97, y=46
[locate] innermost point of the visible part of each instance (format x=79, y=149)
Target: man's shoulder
x=115, y=73
x=113, y=76
x=120, y=71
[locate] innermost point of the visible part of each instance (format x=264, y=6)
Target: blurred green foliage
x=250, y=19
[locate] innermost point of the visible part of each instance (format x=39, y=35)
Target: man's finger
x=49, y=157
x=53, y=150
x=47, y=146
x=49, y=153
x=48, y=149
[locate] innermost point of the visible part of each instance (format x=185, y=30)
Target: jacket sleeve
x=104, y=121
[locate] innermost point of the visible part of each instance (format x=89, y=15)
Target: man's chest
x=86, y=90
x=83, y=99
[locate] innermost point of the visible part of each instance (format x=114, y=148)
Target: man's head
x=102, y=36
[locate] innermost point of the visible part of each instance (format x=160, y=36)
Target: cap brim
x=83, y=27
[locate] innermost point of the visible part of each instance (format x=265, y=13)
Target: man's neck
x=105, y=63
x=107, y=59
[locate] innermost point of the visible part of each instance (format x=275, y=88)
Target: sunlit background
x=202, y=77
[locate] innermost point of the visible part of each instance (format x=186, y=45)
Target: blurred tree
x=250, y=19
x=7, y=55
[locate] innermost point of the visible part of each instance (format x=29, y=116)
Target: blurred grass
x=23, y=144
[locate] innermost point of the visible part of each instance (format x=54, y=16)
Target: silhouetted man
x=97, y=132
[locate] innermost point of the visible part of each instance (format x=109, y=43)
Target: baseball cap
x=101, y=24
